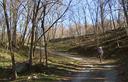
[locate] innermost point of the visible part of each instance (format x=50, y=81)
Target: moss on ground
x=5, y=57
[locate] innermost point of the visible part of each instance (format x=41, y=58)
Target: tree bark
x=35, y=13
x=102, y=14
x=14, y=73
x=125, y=4
x=45, y=41
x=24, y=33
x=14, y=12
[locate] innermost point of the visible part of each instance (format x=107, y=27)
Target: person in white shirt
x=100, y=52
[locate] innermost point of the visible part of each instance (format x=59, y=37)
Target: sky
x=76, y=14
x=76, y=11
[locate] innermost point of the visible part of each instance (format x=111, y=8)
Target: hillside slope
x=87, y=45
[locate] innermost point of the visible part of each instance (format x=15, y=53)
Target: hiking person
x=100, y=53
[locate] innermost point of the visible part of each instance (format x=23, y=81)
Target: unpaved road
x=85, y=60
x=92, y=71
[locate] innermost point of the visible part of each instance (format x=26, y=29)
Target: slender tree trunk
x=117, y=42
x=96, y=30
x=102, y=14
x=45, y=41
x=31, y=46
x=25, y=30
x=14, y=33
x=125, y=5
x=14, y=73
x=26, y=27
x=85, y=24
x=35, y=13
x=14, y=15
x=3, y=33
x=112, y=16
x=54, y=32
x=34, y=48
x=45, y=50
x=40, y=52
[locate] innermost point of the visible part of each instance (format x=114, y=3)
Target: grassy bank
x=58, y=67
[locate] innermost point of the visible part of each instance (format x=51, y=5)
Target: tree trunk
x=125, y=4
x=117, y=42
x=40, y=52
x=45, y=50
x=14, y=73
x=31, y=46
x=45, y=41
x=25, y=30
x=35, y=13
x=35, y=38
x=3, y=33
x=102, y=14
x=14, y=12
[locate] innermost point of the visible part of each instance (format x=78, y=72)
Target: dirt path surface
x=94, y=73
x=84, y=60
x=92, y=70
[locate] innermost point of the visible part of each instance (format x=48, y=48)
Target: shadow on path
x=95, y=73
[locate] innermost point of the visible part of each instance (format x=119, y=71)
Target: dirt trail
x=92, y=71
x=68, y=55
x=84, y=60
x=99, y=73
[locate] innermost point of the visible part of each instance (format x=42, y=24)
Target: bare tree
x=26, y=25
x=85, y=19
x=35, y=13
x=102, y=14
x=9, y=40
x=125, y=9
